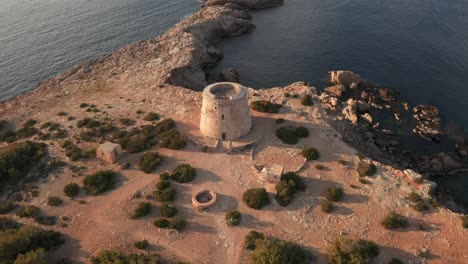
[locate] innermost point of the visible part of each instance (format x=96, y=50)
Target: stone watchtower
x=225, y=112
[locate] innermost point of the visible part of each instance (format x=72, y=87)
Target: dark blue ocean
x=417, y=46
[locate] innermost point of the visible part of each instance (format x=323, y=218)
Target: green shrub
x=280, y=121
x=164, y=176
x=141, y=210
x=151, y=117
x=465, y=221
x=172, y=139
x=326, y=206
x=164, y=125
x=54, y=201
x=71, y=150
x=393, y=221
x=28, y=211
x=150, y=161
x=289, y=184
x=161, y=222
x=265, y=106
x=256, y=198
x=7, y=224
x=366, y=169
x=286, y=95
x=46, y=220
x=139, y=139
x=165, y=195
x=310, y=153
x=183, y=173
x=275, y=251
x=334, y=194
x=233, y=218
x=301, y=132
x=177, y=223
x=306, y=100
x=251, y=239
x=6, y=207
x=29, y=123
x=71, y=190
x=88, y=123
x=168, y=210
x=114, y=257
x=319, y=167
x=127, y=121
x=163, y=184
x=287, y=136
x=420, y=206
x=62, y=113
x=345, y=251
x=83, y=105
x=343, y=162
x=414, y=197
x=36, y=256
x=17, y=160
x=142, y=244
x=99, y=182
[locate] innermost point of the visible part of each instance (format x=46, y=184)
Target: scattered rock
x=349, y=111
x=336, y=90
x=230, y=75
x=345, y=78
x=428, y=125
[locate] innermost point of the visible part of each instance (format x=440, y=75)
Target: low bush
x=142, y=244
x=54, y=201
x=172, y=139
x=177, y=223
x=465, y=221
x=414, y=197
x=265, y=106
x=301, y=132
x=164, y=125
x=150, y=161
x=84, y=105
x=99, y=182
x=71, y=190
x=164, y=176
x=420, y=206
x=280, y=121
x=287, y=95
x=165, y=195
x=394, y=221
x=138, y=139
x=168, y=210
x=256, y=198
x=334, y=194
x=289, y=184
x=46, y=220
x=319, y=167
x=127, y=121
x=28, y=211
x=141, y=210
x=71, y=150
x=183, y=173
x=310, y=153
x=163, y=184
x=151, y=117
x=251, y=239
x=326, y=206
x=30, y=123
x=287, y=136
x=6, y=207
x=306, y=100
x=395, y=261
x=275, y=251
x=345, y=251
x=7, y=224
x=88, y=123
x=366, y=169
x=233, y=218
x=115, y=257
x=161, y=222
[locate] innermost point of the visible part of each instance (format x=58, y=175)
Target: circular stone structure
x=225, y=112
x=204, y=199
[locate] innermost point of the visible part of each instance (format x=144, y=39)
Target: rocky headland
x=164, y=75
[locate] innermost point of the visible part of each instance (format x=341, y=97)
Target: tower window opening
x=222, y=117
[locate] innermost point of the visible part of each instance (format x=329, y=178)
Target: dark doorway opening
x=222, y=117
x=223, y=136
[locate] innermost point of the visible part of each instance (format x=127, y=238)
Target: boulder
x=345, y=78
x=335, y=91
x=354, y=85
x=363, y=107
x=462, y=148
x=349, y=111
x=367, y=117
x=428, y=122
x=230, y=75
x=387, y=94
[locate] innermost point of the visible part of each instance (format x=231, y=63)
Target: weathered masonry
x=225, y=112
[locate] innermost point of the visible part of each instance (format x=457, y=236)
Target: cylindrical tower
x=225, y=112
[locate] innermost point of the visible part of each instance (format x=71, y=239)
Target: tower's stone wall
x=225, y=112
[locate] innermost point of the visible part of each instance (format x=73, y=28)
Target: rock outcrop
x=428, y=126
x=253, y=4
x=345, y=78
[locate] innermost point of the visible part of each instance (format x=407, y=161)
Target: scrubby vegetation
x=71, y=150
x=334, y=194
x=127, y=121
x=366, y=169
x=345, y=251
x=290, y=135
x=99, y=182
x=394, y=221
x=71, y=190
x=164, y=193
x=6, y=207
x=273, y=251
x=25, y=244
x=265, y=106
x=163, y=184
x=141, y=210
x=142, y=244
x=172, y=139
x=414, y=197
x=183, y=173
x=28, y=211
x=256, y=198
x=151, y=116
x=164, y=176
x=176, y=223
x=161, y=222
x=326, y=206
x=17, y=160
x=115, y=257
x=306, y=100
x=280, y=121
x=465, y=221
x=54, y=201
x=289, y=184
x=310, y=153
x=168, y=210
x=150, y=161
x=233, y=218
x=301, y=132
x=88, y=123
